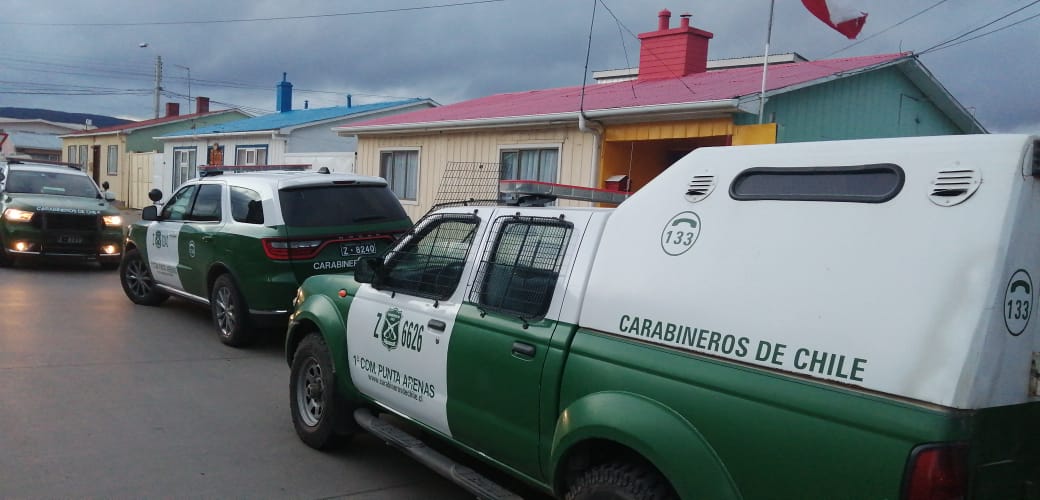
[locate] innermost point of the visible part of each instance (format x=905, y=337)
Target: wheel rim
x=225, y=310
x=138, y=278
x=310, y=393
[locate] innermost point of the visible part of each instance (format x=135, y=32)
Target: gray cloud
x=462, y=52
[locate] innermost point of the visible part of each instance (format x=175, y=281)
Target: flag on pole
x=838, y=14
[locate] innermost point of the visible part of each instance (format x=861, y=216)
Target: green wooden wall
x=883, y=103
x=141, y=141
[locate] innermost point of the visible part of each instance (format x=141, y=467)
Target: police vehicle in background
x=242, y=242
x=55, y=210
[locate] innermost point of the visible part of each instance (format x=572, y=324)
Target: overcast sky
x=86, y=56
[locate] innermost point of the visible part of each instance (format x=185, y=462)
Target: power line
x=962, y=35
x=1002, y=28
x=847, y=47
x=254, y=19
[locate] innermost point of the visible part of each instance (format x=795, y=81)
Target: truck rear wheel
x=230, y=312
x=621, y=481
x=318, y=411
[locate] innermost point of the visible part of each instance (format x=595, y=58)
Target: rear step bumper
x=461, y=475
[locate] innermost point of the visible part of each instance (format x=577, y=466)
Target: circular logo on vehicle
x=191, y=249
x=680, y=233
x=1018, y=302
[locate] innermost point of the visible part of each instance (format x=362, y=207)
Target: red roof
x=698, y=87
x=147, y=123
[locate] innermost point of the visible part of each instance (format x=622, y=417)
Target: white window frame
x=112, y=165
x=418, y=171
x=254, y=149
x=558, y=146
x=72, y=156
x=189, y=168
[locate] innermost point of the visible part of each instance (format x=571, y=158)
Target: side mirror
x=155, y=195
x=369, y=270
x=151, y=212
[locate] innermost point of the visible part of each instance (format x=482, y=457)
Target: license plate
x=70, y=239
x=357, y=249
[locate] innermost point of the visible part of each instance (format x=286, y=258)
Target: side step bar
x=461, y=475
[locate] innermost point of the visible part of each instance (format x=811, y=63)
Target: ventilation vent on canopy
x=951, y=187
x=700, y=187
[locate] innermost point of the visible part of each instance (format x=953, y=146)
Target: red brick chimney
x=173, y=108
x=672, y=52
x=202, y=104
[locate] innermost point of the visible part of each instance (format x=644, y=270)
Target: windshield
x=339, y=205
x=36, y=182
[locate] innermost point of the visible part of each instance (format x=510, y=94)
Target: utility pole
x=158, y=82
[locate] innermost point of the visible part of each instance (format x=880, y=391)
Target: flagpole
x=765, y=66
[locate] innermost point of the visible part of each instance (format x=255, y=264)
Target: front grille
x=77, y=222
x=68, y=234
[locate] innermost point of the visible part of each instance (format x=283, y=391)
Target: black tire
x=230, y=312
x=319, y=414
x=5, y=260
x=138, y=283
x=621, y=481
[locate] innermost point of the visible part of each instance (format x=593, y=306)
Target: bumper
x=102, y=246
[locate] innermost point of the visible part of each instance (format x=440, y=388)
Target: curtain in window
x=401, y=171
x=113, y=160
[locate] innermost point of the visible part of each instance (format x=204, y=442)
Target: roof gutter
x=273, y=133
x=657, y=111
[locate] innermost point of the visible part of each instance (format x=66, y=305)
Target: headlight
x=15, y=215
x=112, y=220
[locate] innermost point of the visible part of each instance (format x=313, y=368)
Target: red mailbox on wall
x=618, y=183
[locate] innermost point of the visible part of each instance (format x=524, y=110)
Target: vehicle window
x=430, y=263
x=180, y=202
x=860, y=183
x=339, y=205
x=246, y=206
x=518, y=275
x=207, y=203
x=36, y=182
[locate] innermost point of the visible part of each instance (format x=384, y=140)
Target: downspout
x=590, y=127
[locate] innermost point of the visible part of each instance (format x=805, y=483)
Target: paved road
x=102, y=398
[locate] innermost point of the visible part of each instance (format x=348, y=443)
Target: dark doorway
x=95, y=164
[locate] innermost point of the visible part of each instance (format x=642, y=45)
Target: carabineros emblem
x=390, y=331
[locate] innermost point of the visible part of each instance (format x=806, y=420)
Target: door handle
x=523, y=349
x=207, y=239
x=436, y=324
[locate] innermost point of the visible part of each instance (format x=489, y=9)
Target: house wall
x=116, y=184
x=275, y=153
x=436, y=150
x=883, y=103
x=320, y=139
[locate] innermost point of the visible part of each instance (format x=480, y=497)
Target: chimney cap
x=663, y=19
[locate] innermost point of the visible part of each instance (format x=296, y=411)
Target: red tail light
x=937, y=472
x=279, y=249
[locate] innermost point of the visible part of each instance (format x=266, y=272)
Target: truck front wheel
x=317, y=409
x=620, y=481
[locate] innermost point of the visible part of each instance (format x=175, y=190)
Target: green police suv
x=55, y=210
x=242, y=243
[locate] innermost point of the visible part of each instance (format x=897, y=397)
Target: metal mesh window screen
x=518, y=274
x=430, y=263
x=468, y=183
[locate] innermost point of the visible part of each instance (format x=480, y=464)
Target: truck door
x=504, y=335
x=199, y=238
x=164, y=236
x=399, y=329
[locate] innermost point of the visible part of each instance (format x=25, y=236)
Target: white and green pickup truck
x=847, y=319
